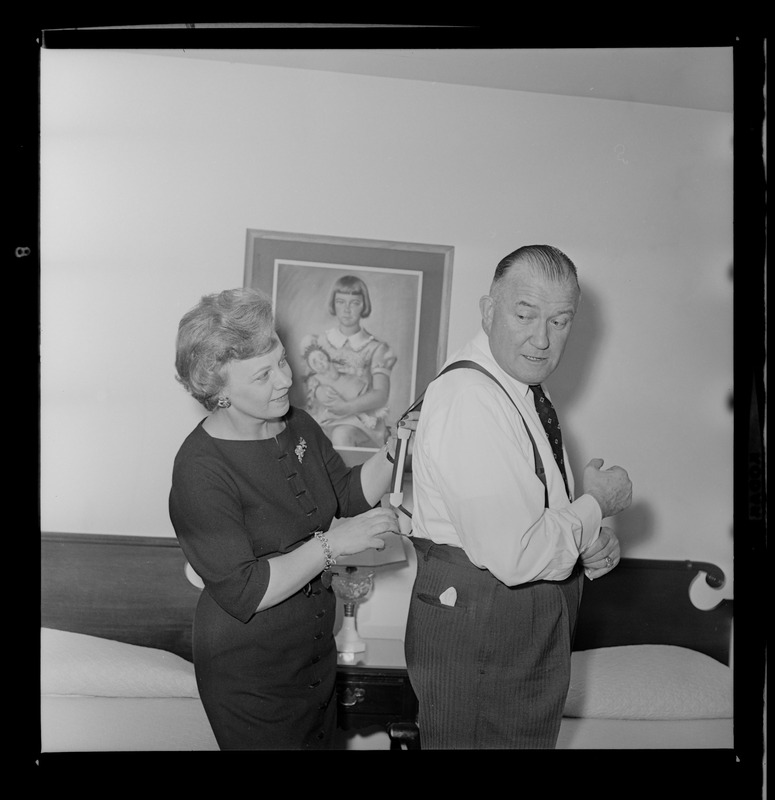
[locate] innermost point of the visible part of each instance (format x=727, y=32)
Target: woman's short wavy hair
x=350, y=284
x=228, y=326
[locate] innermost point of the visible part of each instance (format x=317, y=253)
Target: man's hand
x=602, y=555
x=611, y=487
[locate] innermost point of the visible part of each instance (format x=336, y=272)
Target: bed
x=650, y=669
x=115, y=659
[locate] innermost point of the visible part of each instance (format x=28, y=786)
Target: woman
x=355, y=352
x=255, y=488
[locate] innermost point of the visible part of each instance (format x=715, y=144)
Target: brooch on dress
x=301, y=448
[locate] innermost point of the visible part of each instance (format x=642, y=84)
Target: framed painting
x=364, y=324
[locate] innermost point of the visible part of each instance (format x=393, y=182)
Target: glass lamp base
x=351, y=587
x=348, y=640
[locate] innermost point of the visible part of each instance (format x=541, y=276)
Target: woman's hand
x=364, y=532
x=290, y=571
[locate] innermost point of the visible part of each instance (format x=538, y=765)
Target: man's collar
x=482, y=343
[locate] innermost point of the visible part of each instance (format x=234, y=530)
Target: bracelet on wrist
x=327, y=552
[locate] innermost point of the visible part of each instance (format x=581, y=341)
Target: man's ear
x=486, y=305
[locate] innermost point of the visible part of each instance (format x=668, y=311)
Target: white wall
x=153, y=168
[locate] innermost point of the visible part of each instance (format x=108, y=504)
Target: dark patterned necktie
x=551, y=425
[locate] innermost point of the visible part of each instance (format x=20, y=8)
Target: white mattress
x=644, y=734
x=102, y=695
x=93, y=724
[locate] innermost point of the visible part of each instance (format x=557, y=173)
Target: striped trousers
x=492, y=671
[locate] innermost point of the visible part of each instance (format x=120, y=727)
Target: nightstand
x=373, y=689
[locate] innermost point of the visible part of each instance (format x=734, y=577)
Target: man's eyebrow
x=569, y=310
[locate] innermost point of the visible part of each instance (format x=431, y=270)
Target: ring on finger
x=609, y=562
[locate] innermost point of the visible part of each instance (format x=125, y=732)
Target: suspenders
x=396, y=495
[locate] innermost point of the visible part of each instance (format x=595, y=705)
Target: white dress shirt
x=474, y=481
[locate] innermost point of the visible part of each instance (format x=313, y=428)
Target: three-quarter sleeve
x=207, y=515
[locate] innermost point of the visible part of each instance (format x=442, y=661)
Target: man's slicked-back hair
x=550, y=261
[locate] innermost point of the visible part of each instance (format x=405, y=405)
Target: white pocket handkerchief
x=448, y=597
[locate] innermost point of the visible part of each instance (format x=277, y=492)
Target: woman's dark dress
x=266, y=678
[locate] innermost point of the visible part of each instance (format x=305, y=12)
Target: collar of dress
x=357, y=340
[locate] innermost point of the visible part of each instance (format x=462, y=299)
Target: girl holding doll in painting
x=349, y=380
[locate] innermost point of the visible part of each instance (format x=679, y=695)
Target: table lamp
x=352, y=580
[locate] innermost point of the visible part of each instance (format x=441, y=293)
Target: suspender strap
x=539, y=464
x=398, y=467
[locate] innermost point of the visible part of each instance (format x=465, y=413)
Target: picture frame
x=407, y=286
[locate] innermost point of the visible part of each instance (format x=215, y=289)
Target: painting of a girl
x=348, y=384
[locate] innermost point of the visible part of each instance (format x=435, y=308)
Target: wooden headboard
x=134, y=589
x=129, y=588
x=647, y=601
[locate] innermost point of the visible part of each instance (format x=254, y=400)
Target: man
x=502, y=545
